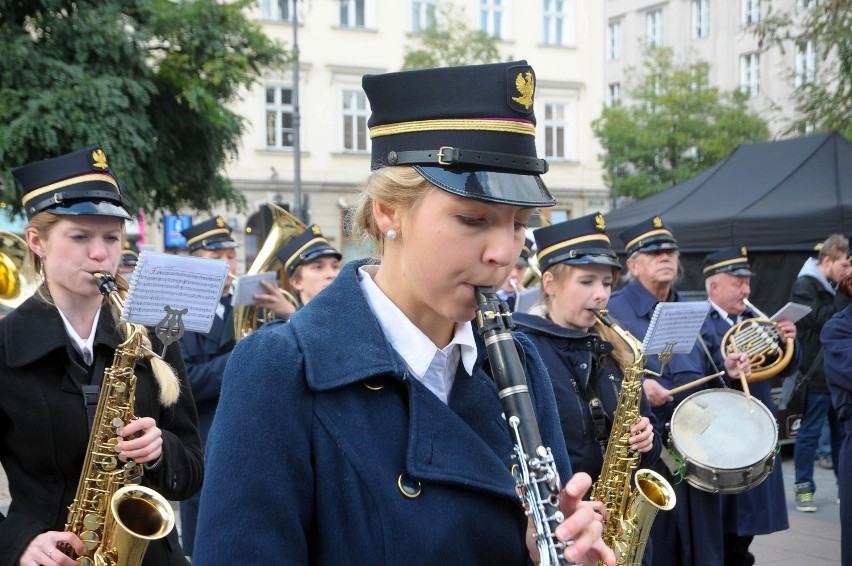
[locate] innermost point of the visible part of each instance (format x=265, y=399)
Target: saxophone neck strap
x=92, y=391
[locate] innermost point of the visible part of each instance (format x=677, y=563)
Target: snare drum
x=724, y=446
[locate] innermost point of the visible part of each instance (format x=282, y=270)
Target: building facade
x=341, y=40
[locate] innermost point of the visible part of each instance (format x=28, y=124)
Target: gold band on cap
x=581, y=239
x=69, y=183
x=510, y=126
x=207, y=234
x=296, y=254
x=728, y=262
x=659, y=232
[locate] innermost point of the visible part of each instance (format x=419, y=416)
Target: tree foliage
x=450, y=43
x=826, y=102
x=150, y=80
x=672, y=126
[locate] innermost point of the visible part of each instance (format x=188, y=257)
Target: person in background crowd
x=129, y=258
x=392, y=448
x=310, y=262
x=584, y=357
x=690, y=534
x=814, y=287
x=762, y=509
x=56, y=345
x=836, y=338
x=508, y=292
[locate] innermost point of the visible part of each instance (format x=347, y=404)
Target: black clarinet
x=535, y=472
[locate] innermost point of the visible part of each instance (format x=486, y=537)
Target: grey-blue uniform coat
x=44, y=427
x=691, y=533
x=836, y=338
x=763, y=508
x=325, y=450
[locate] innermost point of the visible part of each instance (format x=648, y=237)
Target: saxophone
x=113, y=515
x=631, y=511
x=535, y=473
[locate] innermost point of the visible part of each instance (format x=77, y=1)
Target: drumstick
x=692, y=384
x=744, y=381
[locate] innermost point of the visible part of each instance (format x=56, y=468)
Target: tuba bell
x=760, y=339
x=15, y=287
x=285, y=227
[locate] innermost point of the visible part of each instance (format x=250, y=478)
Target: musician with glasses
x=54, y=350
x=762, y=509
x=368, y=429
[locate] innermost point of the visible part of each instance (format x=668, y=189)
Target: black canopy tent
x=779, y=199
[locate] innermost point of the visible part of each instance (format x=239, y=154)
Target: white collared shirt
x=83, y=346
x=433, y=367
x=725, y=316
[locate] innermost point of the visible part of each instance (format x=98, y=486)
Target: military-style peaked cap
x=468, y=130
x=733, y=261
x=304, y=248
x=648, y=236
x=74, y=184
x=580, y=241
x=212, y=234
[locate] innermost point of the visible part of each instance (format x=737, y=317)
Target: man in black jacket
x=815, y=287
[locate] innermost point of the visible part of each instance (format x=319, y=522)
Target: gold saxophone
x=113, y=515
x=631, y=511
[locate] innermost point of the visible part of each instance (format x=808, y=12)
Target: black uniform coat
x=571, y=358
x=44, y=427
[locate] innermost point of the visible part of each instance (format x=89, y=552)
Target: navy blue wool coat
x=325, y=450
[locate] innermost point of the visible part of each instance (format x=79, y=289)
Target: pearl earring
x=391, y=234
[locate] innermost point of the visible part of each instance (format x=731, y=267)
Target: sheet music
x=246, y=286
x=161, y=280
x=792, y=312
x=675, y=324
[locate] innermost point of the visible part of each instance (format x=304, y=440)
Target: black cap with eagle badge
x=74, y=184
x=733, y=261
x=305, y=248
x=468, y=130
x=648, y=236
x=580, y=241
x=212, y=234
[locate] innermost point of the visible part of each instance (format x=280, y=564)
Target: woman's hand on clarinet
x=142, y=440
x=583, y=524
x=642, y=435
x=47, y=547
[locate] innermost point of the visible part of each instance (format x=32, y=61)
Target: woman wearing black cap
x=368, y=430
x=56, y=345
x=310, y=262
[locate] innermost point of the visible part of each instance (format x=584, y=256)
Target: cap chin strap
x=447, y=155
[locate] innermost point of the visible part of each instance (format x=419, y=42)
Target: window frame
x=347, y=91
x=279, y=108
x=654, y=28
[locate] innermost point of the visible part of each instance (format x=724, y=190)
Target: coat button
x=584, y=365
x=408, y=486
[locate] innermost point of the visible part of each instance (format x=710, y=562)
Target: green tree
x=448, y=42
x=675, y=125
x=825, y=103
x=150, y=80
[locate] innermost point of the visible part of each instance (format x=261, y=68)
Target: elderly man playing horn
x=761, y=509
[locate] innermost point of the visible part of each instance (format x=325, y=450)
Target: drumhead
x=716, y=428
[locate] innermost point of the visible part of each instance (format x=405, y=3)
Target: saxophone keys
x=109, y=463
x=91, y=522
x=90, y=539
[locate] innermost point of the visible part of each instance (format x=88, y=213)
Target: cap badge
x=220, y=222
x=599, y=222
x=525, y=83
x=744, y=251
x=658, y=222
x=316, y=230
x=99, y=159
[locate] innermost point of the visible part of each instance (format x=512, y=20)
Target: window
x=654, y=28
x=750, y=12
x=279, y=117
x=423, y=14
x=355, y=115
x=558, y=22
x=805, y=63
x=491, y=17
x=352, y=13
x=700, y=18
x=750, y=74
x=558, y=131
x=614, y=93
x=277, y=10
x=613, y=41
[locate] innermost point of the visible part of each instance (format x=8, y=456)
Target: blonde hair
x=44, y=222
x=620, y=353
x=395, y=187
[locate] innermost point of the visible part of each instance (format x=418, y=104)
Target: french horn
x=760, y=339
x=15, y=286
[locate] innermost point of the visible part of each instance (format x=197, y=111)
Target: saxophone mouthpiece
x=603, y=316
x=106, y=282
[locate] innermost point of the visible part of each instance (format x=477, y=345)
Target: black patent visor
x=90, y=208
x=489, y=186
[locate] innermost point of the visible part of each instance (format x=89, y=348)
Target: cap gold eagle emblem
x=99, y=159
x=525, y=83
x=220, y=222
x=316, y=230
x=658, y=222
x=599, y=222
x=744, y=251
